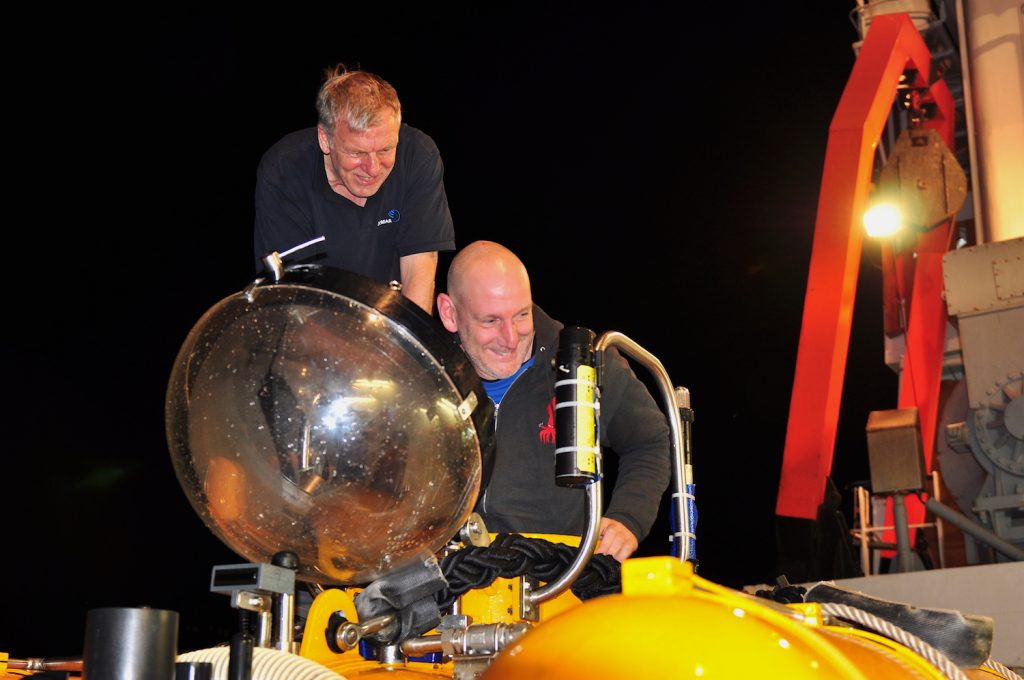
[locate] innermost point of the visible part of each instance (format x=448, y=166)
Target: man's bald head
x=484, y=261
x=489, y=305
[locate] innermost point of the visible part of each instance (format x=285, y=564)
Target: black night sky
x=657, y=168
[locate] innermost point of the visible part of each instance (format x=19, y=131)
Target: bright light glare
x=370, y=385
x=335, y=412
x=339, y=409
x=882, y=219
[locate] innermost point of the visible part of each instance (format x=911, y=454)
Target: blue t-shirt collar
x=496, y=389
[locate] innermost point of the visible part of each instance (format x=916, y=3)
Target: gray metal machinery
x=981, y=454
x=979, y=445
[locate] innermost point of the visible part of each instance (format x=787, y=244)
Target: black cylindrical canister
x=576, y=452
x=130, y=644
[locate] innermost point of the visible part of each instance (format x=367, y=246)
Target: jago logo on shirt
x=393, y=216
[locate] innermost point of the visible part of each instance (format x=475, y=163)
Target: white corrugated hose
x=267, y=664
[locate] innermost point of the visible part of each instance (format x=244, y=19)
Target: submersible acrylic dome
x=326, y=415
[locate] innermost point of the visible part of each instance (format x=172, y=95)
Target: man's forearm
x=418, y=273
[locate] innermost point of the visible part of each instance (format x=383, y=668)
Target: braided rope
x=1001, y=669
x=512, y=555
x=909, y=640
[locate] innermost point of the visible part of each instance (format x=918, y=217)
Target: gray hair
x=361, y=98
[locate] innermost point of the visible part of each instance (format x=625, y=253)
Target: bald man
x=512, y=345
